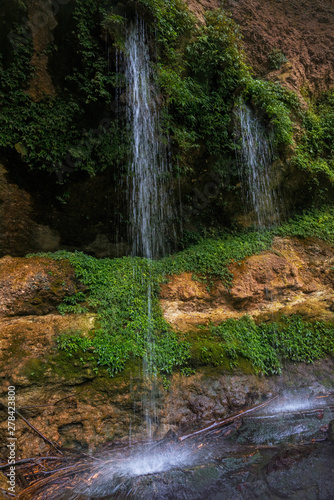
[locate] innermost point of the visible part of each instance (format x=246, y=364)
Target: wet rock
x=42, y=22
x=101, y=247
x=81, y=409
x=34, y=286
x=19, y=232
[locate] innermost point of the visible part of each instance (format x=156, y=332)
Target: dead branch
x=228, y=419
x=38, y=432
x=7, y=492
x=26, y=461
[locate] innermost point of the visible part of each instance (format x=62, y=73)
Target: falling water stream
x=150, y=202
x=149, y=176
x=255, y=158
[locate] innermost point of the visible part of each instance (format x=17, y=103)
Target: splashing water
x=116, y=478
x=255, y=158
x=148, y=182
x=290, y=403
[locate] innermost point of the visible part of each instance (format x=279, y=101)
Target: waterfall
x=148, y=179
x=255, y=158
x=149, y=186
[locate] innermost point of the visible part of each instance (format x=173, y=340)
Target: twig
x=48, y=472
x=33, y=428
x=7, y=492
x=26, y=461
x=38, y=432
x=227, y=420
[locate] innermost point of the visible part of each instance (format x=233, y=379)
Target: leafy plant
x=278, y=104
x=315, y=152
x=124, y=295
x=123, y=292
x=276, y=58
x=266, y=344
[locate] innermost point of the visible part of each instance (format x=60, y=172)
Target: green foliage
x=199, y=87
x=90, y=77
x=200, y=69
x=201, y=74
x=243, y=338
x=277, y=103
x=316, y=223
x=172, y=22
x=48, y=132
x=315, y=151
x=264, y=345
x=276, y=58
x=130, y=320
x=212, y=256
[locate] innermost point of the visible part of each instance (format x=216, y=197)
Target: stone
x=293, y=277
x=34, y=286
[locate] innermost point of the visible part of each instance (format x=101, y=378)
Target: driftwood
x=27, y=461
x=7, y=493
x=228, y=419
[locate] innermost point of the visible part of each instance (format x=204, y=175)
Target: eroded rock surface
x=34, y=286
x=294, y=277
x=42, y=22
x=19, y=232
x=302, y=30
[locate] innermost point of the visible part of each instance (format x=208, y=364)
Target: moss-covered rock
x=36, y=286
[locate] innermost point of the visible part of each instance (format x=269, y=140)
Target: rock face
x=34, y=286
x=80, y=409
x=294, y=277
x=29, y=221
x=19, y=233
x=302, y=30
x=41, y=21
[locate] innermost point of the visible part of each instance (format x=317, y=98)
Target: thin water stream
x=255, y=157
x=150, y=201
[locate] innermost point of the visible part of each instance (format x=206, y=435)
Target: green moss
x=34, y=369
x=208, y=353
x=59, y=365
x=268, y=344
x=16, y=350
